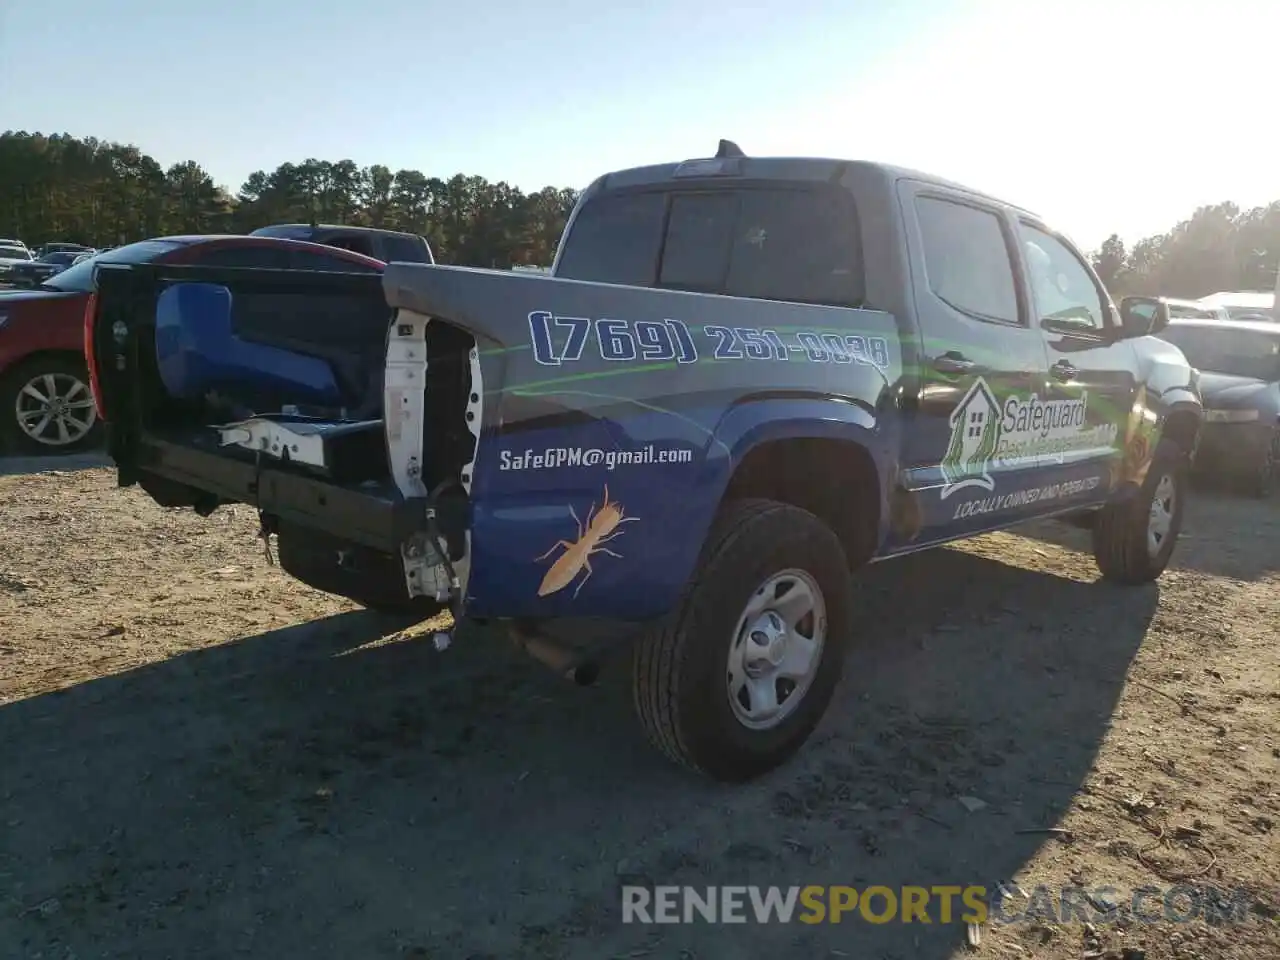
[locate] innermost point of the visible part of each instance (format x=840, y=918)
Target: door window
x=1062, y=289
x=966, y=259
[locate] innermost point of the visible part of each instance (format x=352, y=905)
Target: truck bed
x=265, y=387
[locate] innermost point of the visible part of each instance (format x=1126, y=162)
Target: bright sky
x=1099, y=114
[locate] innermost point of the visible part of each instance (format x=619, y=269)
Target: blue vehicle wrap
x=598, y=468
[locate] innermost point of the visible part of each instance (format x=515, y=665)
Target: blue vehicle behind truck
x=744, y=379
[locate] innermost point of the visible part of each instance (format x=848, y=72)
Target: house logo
x=975, y=436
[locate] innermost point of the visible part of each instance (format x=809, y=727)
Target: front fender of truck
x=1166, y=409
x=1169, y=403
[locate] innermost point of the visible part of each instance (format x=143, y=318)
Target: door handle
x=1063, y=371
x=953, y=362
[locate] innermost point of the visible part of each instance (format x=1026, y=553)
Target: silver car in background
x=12, y=253
x=1243, y=304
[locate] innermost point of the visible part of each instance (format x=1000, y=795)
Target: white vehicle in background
x=1243, y=304
x=12, y=253
x=1195, y=310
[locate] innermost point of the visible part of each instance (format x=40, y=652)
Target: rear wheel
x=46, y=406
x=1133, y=540
x=740, y=673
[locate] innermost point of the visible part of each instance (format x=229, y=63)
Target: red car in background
x=45, y=401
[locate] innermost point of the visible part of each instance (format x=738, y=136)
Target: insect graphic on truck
x=600, y=528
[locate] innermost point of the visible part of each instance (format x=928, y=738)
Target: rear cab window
x=793, y=242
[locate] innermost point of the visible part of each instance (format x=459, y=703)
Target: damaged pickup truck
x=744, y=379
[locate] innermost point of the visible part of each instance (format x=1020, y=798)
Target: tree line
x=1217, y=248
x=84, y=190
x=99, y=193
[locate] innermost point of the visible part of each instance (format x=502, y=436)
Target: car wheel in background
x=1263, y=483
x=46, y=407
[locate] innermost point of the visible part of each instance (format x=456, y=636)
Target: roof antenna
x=729, y=149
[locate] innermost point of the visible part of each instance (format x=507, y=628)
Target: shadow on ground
x=299, y=794
x=12, y=466
x=1240, y=556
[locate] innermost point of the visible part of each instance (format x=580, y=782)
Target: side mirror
x=1143, y=316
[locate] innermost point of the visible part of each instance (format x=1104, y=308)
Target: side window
x=314, y=260
x=1061, y=286
x=259, y=255
x=700, y=235
x=966, y=259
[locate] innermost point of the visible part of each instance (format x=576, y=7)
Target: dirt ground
x=200, y=758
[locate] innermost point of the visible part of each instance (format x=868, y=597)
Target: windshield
x=79, y=279
x=1238, y=353
x=15, y=253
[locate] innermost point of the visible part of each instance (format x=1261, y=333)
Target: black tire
x=679, y=668
x=1263, y=483
x=1120, y=543
x=62, y=367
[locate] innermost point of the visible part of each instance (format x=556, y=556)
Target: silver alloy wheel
x=1160, y=521
x=55, y=409
x=776, y=649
